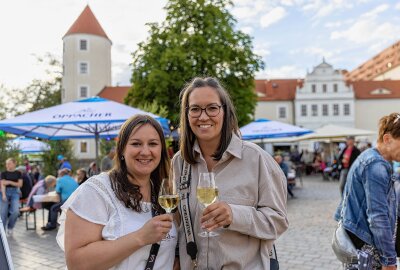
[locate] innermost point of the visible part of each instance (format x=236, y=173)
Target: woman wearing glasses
x=250, y=213
x=368, y=208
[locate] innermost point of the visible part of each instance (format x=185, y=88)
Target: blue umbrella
x=88, y=118
x=264, y=128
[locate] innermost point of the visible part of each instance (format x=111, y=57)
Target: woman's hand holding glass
x=207, y=194
x=168, y=197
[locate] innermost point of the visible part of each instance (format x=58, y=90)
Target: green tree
x=50, y=157
x=198, y=38
x=39, y=94
x=6, y=152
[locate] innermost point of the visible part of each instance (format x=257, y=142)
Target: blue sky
x=292, y=36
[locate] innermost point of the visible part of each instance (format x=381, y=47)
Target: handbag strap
x=151, y=260
x=184, y=187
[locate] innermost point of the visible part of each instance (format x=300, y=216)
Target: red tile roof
x=376, y=89
x=87, y=24
x=115, y=93
x=379, y=64
x=279, y=89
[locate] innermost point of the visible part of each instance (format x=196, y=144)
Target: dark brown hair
x=389, y=124
x=230, y=123
x=126, y=191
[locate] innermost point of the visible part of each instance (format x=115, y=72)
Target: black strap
x=156, y=246
x=184, y=188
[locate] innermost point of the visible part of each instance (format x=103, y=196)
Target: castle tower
x=86, y=58
x=86, y=68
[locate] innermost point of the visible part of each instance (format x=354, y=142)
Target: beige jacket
x=254, y=186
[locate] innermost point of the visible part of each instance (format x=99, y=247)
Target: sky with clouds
x=292, y=36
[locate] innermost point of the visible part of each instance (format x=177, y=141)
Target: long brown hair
x=389, y=124
x=230, y=123
x=126, y=191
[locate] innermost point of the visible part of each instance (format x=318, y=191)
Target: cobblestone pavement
x=306, y=245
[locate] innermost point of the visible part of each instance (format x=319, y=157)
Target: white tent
x=331, y=132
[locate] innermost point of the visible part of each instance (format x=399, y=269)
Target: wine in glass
x=207, y=193
x=168, y=197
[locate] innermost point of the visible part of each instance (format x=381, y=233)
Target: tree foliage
x=39, y=94
x=198, y=38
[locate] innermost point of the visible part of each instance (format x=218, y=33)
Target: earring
x=122, y=158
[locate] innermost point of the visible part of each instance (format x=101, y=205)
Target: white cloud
x=397, y=6
x=324, y=8
x=316, y=51
x=283, y=72
x=247, y=29
x=376, y=11
x=273, y=16
x=366, y=30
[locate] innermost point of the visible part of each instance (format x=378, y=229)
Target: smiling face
x=142, y=153
x=204, y=127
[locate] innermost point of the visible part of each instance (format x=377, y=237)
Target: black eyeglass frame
x=205, y=110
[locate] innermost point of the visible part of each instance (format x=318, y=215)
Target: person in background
x=64, y=163
x=251, y=205
x=368, y=207
x=81, y=176
x=27, y=182
x=126, y=207
x=27, y=165
x=11, y=181
x=35, y=173
x=285, y=169
x=345, y=160
x=93, y=170
x=40, y=188
x=107, y=161
x=64, y=187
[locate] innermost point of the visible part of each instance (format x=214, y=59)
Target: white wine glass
x=168, y=197
x=207, y=193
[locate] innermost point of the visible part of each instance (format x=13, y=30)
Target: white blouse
x=96, y=202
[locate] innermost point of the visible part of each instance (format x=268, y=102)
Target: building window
x=313, y=88
x=303, y=110
x=83, y=68
x=325, y=109
x=83, y=147
x=83, y=92
x=282, y=112
x=314, y=110
x=324, y=88
x=335, y=88
x=346, y=109
x=83, y=45
x=335, y=109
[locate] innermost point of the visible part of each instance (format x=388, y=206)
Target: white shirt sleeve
x=88, y=202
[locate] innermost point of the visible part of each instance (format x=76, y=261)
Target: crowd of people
x=113, y=214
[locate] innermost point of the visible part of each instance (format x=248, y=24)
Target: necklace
x=145, y=207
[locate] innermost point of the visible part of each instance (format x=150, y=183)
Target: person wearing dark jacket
x=346, y=159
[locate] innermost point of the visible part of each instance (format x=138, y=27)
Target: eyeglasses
x=211, y=110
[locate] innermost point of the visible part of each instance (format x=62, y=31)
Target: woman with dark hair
x=113, y=219
x=368, y=207
x=251, y=205
x=81, y=176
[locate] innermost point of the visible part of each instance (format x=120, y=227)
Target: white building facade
x=324, y=98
